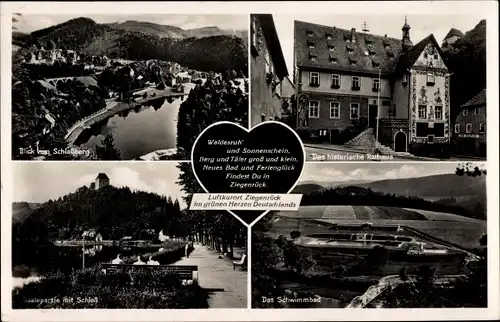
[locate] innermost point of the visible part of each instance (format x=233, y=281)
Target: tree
x=107, y=150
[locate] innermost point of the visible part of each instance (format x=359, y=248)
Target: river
x=138, y=131
x=141, y=130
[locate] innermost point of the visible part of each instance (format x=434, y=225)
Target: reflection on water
x=40, y=260
x=139, y=131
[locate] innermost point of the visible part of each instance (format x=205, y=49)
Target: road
x=214, y=273
x=329, y=152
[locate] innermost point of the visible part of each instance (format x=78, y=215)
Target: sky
x=421, y=26
x=342, y=172
x=29, y=23
x=41, y=181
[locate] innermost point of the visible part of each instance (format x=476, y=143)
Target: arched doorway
x=400, y=142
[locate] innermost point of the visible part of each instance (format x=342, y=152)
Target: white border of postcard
x=488, y=9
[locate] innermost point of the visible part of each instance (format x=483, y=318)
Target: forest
x=353, y=195
x=214, y=53
x=466, y=60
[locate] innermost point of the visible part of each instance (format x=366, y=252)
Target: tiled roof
x=367, y=52
x=102, y=176
x=479, y=99
x=409, y=57
x=266, y=22
x=454, y=32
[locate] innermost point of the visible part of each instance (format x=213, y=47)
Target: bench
x=242, y=262
x=182, y=272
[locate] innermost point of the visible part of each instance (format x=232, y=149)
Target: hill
x=308, y=188
x=436, y=186
x=206, y=49
x=114, y=212
x=466, y=60
x=22, y=210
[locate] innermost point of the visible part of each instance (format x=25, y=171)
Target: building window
x=335, y=81
x=457, y=128
x=431, y=79
x=465, y=112
x=468, y=128
x=331, y=48
x=438, y=112
x=422, y=112
x=313, y=58
x=476, y=111
x=310, y=44
x=314, y=79
x=405, y=79
x=254, y=32
x=436, y=56
x=329, y=37
x=355, y=83
x=263, y=117
x=481, y=127
x=376, y=85
x=268, y=67
x=313, y=109
x=334, y=110
x=354, y=111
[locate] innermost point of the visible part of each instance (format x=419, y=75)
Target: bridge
x=57, y=80
x=389, y=281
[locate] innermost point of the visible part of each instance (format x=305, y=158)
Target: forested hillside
x=136, y=41
x=114, y=212
x=466, y=60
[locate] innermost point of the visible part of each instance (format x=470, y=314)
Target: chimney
x=353, y=34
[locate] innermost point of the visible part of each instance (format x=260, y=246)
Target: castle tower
x=407, y=44
x=101, y=181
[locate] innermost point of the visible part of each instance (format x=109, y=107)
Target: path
x=218, y=274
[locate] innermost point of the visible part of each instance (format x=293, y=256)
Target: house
x=50, y=122
x=268, y=69
x=170, y=80
x=346, y=78
x=182, y=78
x=101, y=181
x=92, y=235
x=469, y=128
x=451, y=37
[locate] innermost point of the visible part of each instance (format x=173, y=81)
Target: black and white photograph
x=119, y=235
x=376, y=235
x=373, y=87
x=124, y=87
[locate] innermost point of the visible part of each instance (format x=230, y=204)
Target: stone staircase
x=365, y=141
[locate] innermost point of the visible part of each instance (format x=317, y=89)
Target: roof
x=102, y=176
x=479, y=99
x=87, y=81
x=454, y=32
x=369, y=52
x=409, y=57
x=266, y=23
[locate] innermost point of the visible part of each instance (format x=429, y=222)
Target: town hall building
x=346, y=78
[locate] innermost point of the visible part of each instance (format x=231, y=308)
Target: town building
x=268, y=69
x=379, y=86
x=451, y=37
x=469, y=128
x=101, y=181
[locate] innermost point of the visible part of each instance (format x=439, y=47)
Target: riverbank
x=115, y=107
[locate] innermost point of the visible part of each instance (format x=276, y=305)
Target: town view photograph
x=116, y=87
x=393, y=235
x=356, y=87
x=119, y=235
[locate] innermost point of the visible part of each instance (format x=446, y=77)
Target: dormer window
x=331, y=48
x=352, y=60
x=375, y=62
x=333, y=59
x=350, y=51
x=310, y=33
x=310, y=43
x=313, y=58
x=329, y=36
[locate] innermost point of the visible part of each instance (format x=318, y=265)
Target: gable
x=430, y=57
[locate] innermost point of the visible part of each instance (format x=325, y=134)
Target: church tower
x=407, y=44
